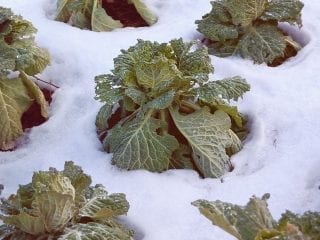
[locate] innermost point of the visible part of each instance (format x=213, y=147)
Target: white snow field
x=281, y=155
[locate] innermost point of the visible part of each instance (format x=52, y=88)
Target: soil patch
x=124, y=12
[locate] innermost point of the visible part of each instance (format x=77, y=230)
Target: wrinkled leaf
x=94, y=231
x=36, y=94
x=7, y=59
x=250, y=28
x=263, y=44
x=26, y=223
x=217, y=24
x=100, y=21
x=308, y=223
x=162, y=102
x=55, y=209
x=106, y=91
x=136, y=95
x=245, y=11
x=284, y=11
x=232, y=111
x=144, y=12
x=194, y=64
x=39, y=61
x=14, y=101
x=51, y=181
x=102, y=206
x=228, y=89
x=208, y=135
x=242, y=222
x=136, y=145
x=103, y=115
x=62, y=10
x=79, y=180
x=157, y=75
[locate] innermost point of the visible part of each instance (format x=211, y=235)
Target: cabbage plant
x=255, y=222
x=250, y=28
x=90, y=14
x=160, y=110
x=61, y=205
x=20, y=60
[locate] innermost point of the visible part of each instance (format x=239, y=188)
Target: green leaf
x=100, y=21
x=94, y=231
x=7, y=59
x=144, y=12
x=102, y=206
x=106, y=89
x=137, y=145
x=30, y=224
x=232, y=111
x=208, y=135
x=308, y=223
x=39, y=61
x=224, y=49
x=196, y=64
x=250, y=28
x=79, y=19
x=244, y=223
x=263, y=43
x=284, y=11
x=62, y=11
x=162, y=102
x=216, y=31
x=50, y=181
x=36, y=94
x=5, y=13
x=157, y=75
x=15, y=235
x=55, y=210
x=102, y=118
x=236, y=144
x=14, y=101
x=55, y=202
x=136, y=95
x=79, y=180
x=228, y=89
x=245, y=11
x=217, y=24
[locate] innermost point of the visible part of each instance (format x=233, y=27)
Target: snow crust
x=280, y=156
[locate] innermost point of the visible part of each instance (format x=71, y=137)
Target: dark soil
x=32, y=117
x=125, y=12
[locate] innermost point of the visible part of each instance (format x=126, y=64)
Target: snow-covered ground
x=280, y=156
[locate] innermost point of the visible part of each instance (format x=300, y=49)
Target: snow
x=280, y=156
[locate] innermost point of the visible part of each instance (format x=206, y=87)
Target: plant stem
x=190, y=105
x=164, y=118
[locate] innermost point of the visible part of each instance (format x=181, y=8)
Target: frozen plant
x=91, y=14
x=250, y=28
x=61, y=205
x=20, y=60
x=161, y=111
x=255, y=222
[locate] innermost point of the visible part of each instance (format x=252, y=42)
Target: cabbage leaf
x=162, y=94
x=254, y=221
x=250, y=28
x=63, y=205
